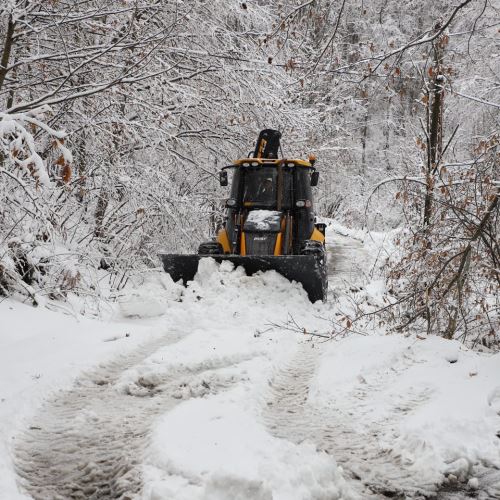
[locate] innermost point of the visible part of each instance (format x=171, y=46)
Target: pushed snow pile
x=148, y=297
x=221, y=282
x=221, y=313
x=214, y=283
x=215, y=449
x=220, y=318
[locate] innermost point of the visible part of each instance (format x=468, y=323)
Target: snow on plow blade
x=308, y=270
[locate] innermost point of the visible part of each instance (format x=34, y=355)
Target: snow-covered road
x=86, y=442
x=230, y=397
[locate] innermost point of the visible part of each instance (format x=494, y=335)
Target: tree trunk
x=435, y=133
x=364, y=134
x=7, y=48
x=100, y=212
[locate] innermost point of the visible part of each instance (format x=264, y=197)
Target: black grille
x=260, y=243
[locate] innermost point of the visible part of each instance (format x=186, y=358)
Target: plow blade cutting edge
x=308, y=270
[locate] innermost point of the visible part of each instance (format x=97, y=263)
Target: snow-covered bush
x=27, y=219
x=446, y=274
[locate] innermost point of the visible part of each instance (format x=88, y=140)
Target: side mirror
x=223, y=178
x=314, y=178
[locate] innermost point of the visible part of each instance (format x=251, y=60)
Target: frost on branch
x=26, y=216
x=18, y=146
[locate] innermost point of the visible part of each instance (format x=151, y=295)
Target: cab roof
x=246, y=162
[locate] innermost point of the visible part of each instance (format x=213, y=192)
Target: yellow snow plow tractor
x=270, y=222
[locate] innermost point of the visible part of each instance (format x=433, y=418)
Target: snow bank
x=457, y=425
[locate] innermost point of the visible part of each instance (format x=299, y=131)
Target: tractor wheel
x=312, y=247
x=210, y=248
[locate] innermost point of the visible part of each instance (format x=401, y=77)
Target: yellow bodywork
x=277, y=247
x=317, y=236
x=262, y=146
x=243, y=245
x=224, y=240
x=267, y=161
x=226, y=246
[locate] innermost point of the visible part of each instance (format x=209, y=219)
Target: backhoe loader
x=270, y=222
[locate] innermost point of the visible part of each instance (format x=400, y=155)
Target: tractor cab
x=275, y=192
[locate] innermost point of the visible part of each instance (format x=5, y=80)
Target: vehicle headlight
x=231, y=202
x=300, y=203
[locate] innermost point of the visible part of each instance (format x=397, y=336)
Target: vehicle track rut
x=289, y=414
x=87, y=442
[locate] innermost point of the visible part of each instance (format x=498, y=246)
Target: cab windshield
x=261, y=187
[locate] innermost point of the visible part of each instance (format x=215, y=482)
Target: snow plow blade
x=308, y=270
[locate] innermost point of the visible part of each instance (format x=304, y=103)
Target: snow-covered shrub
x=27, y=217
x=446, y=274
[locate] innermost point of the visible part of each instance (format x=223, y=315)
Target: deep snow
x=259, y=409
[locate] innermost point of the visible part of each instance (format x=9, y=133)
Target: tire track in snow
x=87, y=442
x=346, y=260
x=289, y=415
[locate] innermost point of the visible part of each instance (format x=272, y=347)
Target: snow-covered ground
x=42, y=352
x=225, y=392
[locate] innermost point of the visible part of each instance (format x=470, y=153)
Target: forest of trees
x=116, y=115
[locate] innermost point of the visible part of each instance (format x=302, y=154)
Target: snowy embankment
x=254, y=406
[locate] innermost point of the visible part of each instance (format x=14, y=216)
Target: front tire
x=317, y=249
x=210, y=248
x=312, y=247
